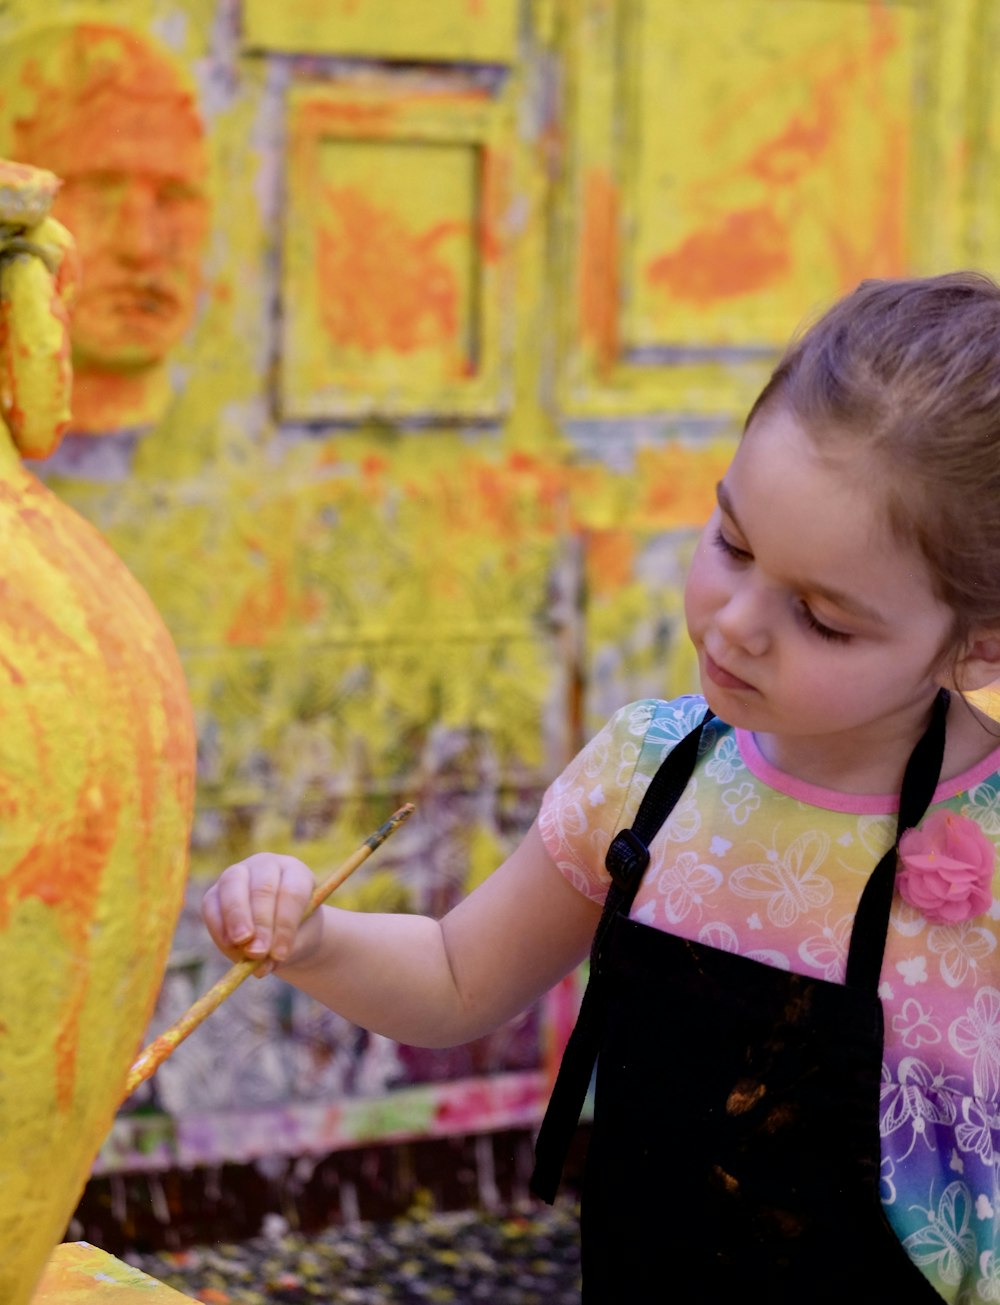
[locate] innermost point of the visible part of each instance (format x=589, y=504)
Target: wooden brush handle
x=153, y=1056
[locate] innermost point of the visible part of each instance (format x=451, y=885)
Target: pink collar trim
x=862, y=804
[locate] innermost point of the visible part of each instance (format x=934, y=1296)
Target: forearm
x=425, y=982
x=390, y=974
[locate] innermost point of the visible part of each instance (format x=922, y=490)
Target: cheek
x=699, y=585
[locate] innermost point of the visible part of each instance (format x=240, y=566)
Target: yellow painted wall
x=483, y=294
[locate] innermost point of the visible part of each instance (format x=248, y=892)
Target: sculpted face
x=111, y=113
x=139, y=216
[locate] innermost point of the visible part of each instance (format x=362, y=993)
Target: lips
x=141, y=298
x=144, y=301
x=723, y=678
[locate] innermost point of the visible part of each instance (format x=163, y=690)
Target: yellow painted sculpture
x=96, y=776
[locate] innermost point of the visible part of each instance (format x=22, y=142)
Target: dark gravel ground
x=527, y=1256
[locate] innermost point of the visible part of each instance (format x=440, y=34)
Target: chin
x=734, y=707
x=120, y=356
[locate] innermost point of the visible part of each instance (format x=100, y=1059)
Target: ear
x=978, y=665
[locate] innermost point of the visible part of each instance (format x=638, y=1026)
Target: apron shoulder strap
x=871, y=923
x=626, y=861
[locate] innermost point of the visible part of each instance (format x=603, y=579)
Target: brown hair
x=912, y=369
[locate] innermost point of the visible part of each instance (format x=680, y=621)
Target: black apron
x=735, y=1153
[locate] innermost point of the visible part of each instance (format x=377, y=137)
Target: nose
x=743, y=620
x=141, y=233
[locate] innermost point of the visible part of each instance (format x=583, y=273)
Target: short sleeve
x=600, y=790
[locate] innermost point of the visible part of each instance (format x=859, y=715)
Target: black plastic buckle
x=627, y=859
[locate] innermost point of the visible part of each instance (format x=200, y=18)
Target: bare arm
x=421, y=981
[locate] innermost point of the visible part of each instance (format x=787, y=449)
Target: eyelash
x=737, y=554
x=824, y=631
x=805, y=612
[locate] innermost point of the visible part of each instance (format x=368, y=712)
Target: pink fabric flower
x=947, y=868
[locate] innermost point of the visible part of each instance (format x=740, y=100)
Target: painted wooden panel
x=469, y=30
x=771, y=165
x=393, y=255
x=732, y=171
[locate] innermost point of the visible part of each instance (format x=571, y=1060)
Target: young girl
x=796, y=1021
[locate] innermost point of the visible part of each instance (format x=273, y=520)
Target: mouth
x=139, y=300
x=723, y=678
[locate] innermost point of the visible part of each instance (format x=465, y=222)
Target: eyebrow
x=847, y=603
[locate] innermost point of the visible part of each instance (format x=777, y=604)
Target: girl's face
x=813, y=627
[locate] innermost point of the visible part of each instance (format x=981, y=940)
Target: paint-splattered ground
x=526, y=1257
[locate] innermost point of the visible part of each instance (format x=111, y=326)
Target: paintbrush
x=153, y=1056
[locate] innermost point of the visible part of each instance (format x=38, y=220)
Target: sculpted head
x=113, y=115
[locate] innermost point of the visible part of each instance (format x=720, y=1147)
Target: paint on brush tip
x=390, y=826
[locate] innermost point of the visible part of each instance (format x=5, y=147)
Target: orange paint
x=96, y=790
x=65, y=865
x=382, y=284
x=316, y=119
x=610, y=559
x=262, y=611
x=598, y=287
x=679, y=483
x=88, y=100
x=676, y=489
x=746, y=251
x=496, y=181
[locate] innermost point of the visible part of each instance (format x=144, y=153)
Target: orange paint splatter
x=382, y=284
x=263, y=609
x=599, y=267
x=679, y=484
x=610, y=558
x=496, y=177
x=744, y=252
x=65, y=863
x=317, y=118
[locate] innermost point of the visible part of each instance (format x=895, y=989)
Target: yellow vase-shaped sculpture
x=96, y=781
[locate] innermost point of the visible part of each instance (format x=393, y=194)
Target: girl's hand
x=255, y=910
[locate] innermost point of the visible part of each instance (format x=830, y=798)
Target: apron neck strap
x=871, y=923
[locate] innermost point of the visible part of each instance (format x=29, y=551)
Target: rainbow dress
x=753, y=862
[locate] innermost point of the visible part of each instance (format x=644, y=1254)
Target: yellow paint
x=38, y=281
x=788, y=184
x=96, y=771
x=447, y=29
x=79, y=1274
x=750, y=170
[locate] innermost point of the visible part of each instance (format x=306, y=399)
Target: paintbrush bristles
x=153, y=1056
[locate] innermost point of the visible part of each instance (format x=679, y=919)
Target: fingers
x=256, y=906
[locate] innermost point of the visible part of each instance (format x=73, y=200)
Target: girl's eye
x=817, y=627
x=730, y=550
